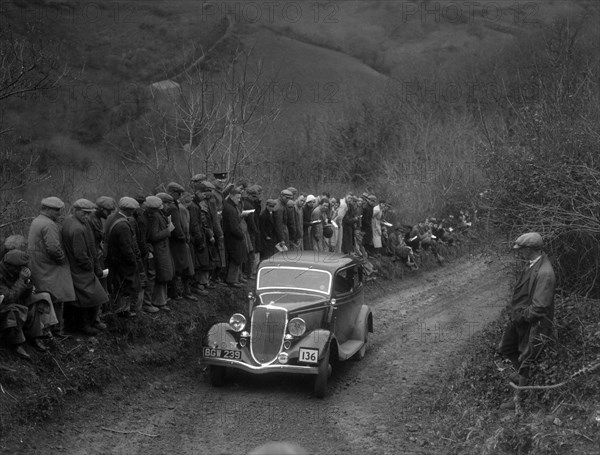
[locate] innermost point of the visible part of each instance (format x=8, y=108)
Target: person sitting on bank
x=23, y=313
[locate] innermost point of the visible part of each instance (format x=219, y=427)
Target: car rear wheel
x=217, y=375
x=322, y=376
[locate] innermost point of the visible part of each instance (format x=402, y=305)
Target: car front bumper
x=262, y=369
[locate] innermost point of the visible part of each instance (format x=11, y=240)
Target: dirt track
x=372, y=407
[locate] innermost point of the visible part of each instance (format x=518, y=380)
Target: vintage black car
x=307, y=313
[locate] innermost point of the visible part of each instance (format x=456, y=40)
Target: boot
x=187, y=292
x=38, y=345
x=21, y=352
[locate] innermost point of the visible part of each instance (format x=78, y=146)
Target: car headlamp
x=297, y=327
x=237, y=322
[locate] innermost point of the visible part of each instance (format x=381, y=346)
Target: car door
x=349, y=296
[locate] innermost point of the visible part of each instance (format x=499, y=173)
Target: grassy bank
x=553, y=421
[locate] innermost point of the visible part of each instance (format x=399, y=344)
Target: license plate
x=222, y=353
x=308, y=355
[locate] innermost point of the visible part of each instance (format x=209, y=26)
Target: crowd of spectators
x=143, y=253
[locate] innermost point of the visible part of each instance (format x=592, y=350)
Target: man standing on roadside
x=50, y=271
x=531, y=309
x=80, y=248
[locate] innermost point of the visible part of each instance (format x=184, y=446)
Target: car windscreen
x=303, y=278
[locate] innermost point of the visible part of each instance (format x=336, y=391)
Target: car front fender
x=317, y=339
x=220, y=336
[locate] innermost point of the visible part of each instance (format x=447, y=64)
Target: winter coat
x=366, y=224
x=268, y=234
x=50, y=271
x=123, y=255
x=177, y=241
x=306, y=215
x=282, y=221
x=79, y=246
x=376, y=226
x=539, y=306
x=158, y=238
x=204, y=251
x=348, y=224
x=235, y=243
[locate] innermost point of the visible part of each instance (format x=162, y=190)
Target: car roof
x=319, y=260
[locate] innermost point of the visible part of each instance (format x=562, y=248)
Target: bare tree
x=208, y=120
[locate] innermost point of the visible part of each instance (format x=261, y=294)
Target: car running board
x=349, y=348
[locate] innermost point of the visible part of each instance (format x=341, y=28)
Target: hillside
x=321, y=61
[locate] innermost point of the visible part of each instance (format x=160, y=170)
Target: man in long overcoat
x=184, y=268
x=235, y=243
x=161, y=263
x=284, y=225
x=78, y=241
x=50, y=271
x=531, y=309
x=125, y=270
x=268, y=232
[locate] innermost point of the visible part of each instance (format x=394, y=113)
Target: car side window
x=358, y=276
x=344, y=281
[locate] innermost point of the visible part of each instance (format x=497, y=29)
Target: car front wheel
x=322, y=376
x=217, y=375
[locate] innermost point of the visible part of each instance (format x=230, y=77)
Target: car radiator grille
x=267, y=332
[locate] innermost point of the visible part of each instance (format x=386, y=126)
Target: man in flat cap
x=531, y=309
x=125, y=269
x=160, y=266
x=268, y=232
x=105, y=206
x=50, y=271
x=235, y=241
x=23, y=313
x=284, y=223
x=78, y=241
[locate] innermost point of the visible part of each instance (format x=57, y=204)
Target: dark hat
x=52, y=202
x=128, y=203
x=293, y=190
x=165, y=197
x=254, y=189
x=85, y=205
x=107, y=203
x=173, y=186
x=287, y=193
x=530, y=240
x=271, y=202
x=372, y=198
x=16, y=257
x=140, y=198
x=234, y=190
x=220, y=175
